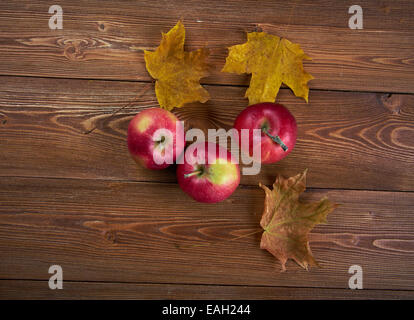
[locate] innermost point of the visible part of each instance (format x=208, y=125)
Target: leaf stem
x=275, y=139
x=187, y=175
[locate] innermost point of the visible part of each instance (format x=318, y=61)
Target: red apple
x=278, y=130
x=149, y=145
x=209, y=172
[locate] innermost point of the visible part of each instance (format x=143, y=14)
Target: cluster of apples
x=213, y=175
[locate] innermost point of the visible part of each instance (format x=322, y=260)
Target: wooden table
x=118, y=231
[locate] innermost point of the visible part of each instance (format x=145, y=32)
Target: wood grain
x=347, y=140
x=26, y=289
x=153, y=233
x=106, y=41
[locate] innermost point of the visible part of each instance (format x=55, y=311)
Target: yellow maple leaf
x=177, y=72
x=287, y=221
x=271, y=60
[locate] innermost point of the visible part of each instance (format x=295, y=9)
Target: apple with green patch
x=155, y=138
x=209, y=173
x=278, y=131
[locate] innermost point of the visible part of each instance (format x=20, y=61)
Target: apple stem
x=187, y=175
x=276, y=139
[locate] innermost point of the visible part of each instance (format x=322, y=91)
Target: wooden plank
x=26, y=289
x=151, y=232
x=106, y=41
x=347, y=140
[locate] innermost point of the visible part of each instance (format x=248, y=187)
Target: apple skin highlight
x=141, y=144
x=277, y=121
x=210, y=182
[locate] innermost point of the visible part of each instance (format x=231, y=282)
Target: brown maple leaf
x=287, y=221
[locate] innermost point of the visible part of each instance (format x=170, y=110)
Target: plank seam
x=202, y=83
x=205, y=284
x=244, y=186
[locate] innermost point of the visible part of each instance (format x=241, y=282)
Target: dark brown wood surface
x=19, y=289
x=372, y=132
x=120, y=231
x=107, y=42
x=100, y=230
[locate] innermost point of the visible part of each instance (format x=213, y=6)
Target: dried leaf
x=271, y=60
x=177, y=72
x=287, y=221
